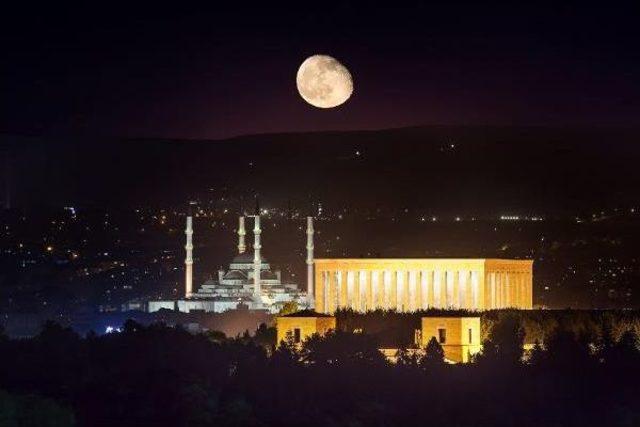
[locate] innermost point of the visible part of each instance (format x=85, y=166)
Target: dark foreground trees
x=166, y=377
x=33, y=411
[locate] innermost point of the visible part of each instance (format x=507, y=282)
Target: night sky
x=214, y=72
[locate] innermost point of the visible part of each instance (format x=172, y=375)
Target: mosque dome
x=235, y=275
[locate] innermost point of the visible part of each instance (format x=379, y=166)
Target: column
x=343, y=289
x=430, y=291
x=375, y=290
x=493, y=290
x=338, y=290
x=455, y=291
x=407, y=292
x=350, y=299
x=330, y=297
x=326, y=291
x=465, y=284
x=425, y=292
x=356, y=290
x=482, y=289
x=414, y=293
x=319, y=290
x=475, y=290
x=387, y=289
x=370, y=301
x=513, y=288
x=321, y=307
x=362, y=291
x=529, y=302
x=400, y=291
x=507, y=289
x=390, y=283
x=499, y=289
x=448, y=284
x=380, y=294
x=503, y=290
x=438, y=296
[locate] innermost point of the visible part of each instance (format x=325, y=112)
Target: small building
x=301, y=325
x=459, y=336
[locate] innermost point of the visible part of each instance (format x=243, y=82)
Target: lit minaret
x=310, y=261
x=257, y=260
x=188, y=261
x=241, y=233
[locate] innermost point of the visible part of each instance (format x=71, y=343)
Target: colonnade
x=409, y=289
x=507, y=289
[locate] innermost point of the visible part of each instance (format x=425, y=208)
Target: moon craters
x=324, y=82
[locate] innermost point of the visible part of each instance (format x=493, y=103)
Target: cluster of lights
x=520, y=218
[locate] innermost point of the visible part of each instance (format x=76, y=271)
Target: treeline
x=165, y=376
x=394, y=329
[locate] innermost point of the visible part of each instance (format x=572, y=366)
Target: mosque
x=249, y=281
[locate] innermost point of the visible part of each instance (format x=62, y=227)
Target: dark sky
x=229, y=68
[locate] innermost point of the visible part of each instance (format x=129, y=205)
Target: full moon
x=324, y=82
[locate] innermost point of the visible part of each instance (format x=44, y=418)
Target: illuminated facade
x=407, y=285
x=300, y=326
x=458, y=336
x=249, y=281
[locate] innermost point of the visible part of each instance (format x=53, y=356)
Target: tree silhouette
x=505, y=343
x=433, y=355
x=624, y=354
x=216, y=336
x=408, y=358
x=33, y=411
x=340, y=348
x=162, y=376
x=567, y=351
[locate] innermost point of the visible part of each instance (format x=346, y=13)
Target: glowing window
x=442, y=335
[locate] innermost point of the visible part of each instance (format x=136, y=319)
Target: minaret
x=257, y=260
x=188, y=261
x=241, y=233
x=310, y=262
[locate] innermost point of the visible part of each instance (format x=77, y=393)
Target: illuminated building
x=249, y=280
x=301, y=325
x=459, y=336
x=407, y=285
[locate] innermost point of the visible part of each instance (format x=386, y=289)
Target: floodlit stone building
x=249, y=280
x=459, y=336
x=408, y=285
x=301, y=325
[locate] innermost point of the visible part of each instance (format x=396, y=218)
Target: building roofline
x=306, y=313
x=320, y=260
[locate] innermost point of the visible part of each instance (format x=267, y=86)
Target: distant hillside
x=445, y=169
